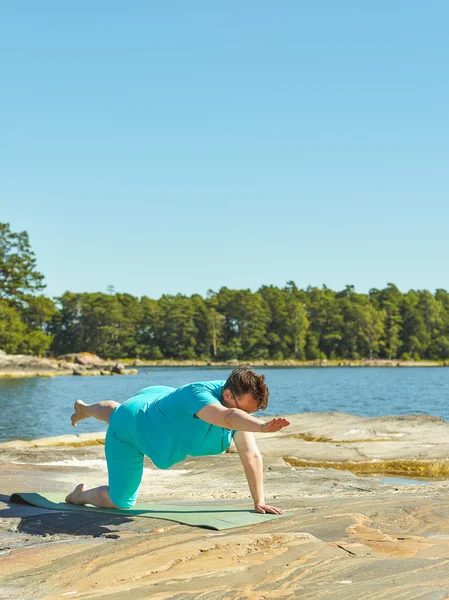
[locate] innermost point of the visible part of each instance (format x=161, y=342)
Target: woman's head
x=245, y=384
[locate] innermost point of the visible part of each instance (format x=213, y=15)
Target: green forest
x=271, y=323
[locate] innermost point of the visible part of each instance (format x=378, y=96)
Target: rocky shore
x=344, y=536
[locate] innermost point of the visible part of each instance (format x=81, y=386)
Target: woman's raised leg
x=100, y=410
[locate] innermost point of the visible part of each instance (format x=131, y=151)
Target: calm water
x=41, y=407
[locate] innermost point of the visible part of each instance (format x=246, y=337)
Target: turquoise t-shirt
x=168, y=429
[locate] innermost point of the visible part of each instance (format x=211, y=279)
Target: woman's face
x=244, y=402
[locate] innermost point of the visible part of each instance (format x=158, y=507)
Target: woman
x=168, y=424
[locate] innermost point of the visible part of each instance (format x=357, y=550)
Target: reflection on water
x=41, y=407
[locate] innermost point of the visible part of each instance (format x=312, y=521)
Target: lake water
x=41, y=407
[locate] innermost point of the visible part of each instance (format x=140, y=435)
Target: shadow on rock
x=82, y=524
x=39, y=521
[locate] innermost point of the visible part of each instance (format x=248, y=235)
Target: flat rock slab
x=381, y=548
x=346, y=536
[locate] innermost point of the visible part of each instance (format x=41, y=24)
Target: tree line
x=271, y=323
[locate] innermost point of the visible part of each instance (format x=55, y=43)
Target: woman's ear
x=227, y=395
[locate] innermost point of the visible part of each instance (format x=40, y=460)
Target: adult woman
x=168, y=424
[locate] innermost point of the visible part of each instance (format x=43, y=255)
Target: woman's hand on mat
x=263, y=508
x=274, y=425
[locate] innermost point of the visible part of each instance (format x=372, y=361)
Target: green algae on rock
x=435, y=469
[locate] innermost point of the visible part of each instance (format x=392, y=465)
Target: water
x=405, y=481
x=41, y=407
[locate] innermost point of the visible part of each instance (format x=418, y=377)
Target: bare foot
x=80, y=412
x=75, y=496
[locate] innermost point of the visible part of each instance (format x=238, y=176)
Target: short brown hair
x=244, y=380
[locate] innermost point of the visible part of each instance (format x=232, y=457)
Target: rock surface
x=344, y=536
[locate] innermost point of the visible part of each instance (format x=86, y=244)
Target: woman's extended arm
x=238, y=420
x=253, y=465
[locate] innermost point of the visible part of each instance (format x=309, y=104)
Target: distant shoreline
x=42, y=368
x=285, y=363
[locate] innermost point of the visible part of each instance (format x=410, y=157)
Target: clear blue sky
x=178, y=146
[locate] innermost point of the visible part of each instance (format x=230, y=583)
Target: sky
x=185, y=145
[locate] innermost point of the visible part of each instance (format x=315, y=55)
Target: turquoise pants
x=123, y=455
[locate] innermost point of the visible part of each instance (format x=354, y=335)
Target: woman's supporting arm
x=253, y=465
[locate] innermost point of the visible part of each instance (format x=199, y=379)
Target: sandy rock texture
x=344, y=536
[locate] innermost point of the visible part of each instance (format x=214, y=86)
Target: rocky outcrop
x=82, y=363
x=21, y=365
x=82, y=358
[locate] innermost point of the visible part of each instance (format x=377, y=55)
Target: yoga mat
x=211, y=517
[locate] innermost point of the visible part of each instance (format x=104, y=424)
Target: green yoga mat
x=211, y=517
